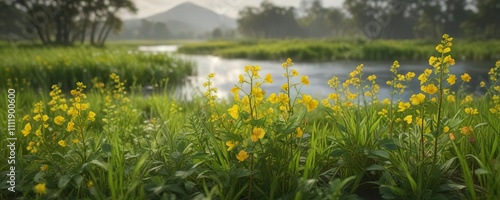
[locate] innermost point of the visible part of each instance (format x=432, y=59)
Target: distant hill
x=184, y=20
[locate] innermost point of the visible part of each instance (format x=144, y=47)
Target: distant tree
x=64, y=22
x=160, y=31
x=217, y=33
x=319, y=21
x=268, y=21
x=146, y=29
x=483, y=23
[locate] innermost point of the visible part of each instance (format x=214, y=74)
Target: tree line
x=62, y=22
x=386, y=19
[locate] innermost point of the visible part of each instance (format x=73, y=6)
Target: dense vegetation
x=96, y=141
x=374, y=19
x=43, y=66
x=328, y=50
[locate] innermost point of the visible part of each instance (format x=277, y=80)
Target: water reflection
x=227, y=71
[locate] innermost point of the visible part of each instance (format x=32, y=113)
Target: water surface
x=227, y=72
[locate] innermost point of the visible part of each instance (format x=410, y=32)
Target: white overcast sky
x=226, y=7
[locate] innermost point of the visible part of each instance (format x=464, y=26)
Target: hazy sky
x=227, y=7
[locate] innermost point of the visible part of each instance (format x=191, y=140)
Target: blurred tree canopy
x=386, y=19
x=62, y=22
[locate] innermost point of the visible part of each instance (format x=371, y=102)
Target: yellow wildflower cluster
x=52, y=130
x=345, y=97
x=442, y=64
x=255, y=114
x=494, y=89
x=211, y=93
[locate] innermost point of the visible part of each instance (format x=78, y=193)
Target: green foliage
x=103, y=142
x=330, y=50
x=43, y=66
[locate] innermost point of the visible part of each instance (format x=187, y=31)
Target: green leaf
x=106, y=147
x=63, y=181
x=39, y=176
x=379, y=153
x=451, y=187
x=78, y=179
x=105, y=166
x=375, y=167
x=481, y=171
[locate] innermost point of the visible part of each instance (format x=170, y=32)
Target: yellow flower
x=452, y=136
x=468, y=99
x=211, y=75
x=45, y=118
x=44, y=167
x=91, y=116
x=299, y=132
x=422, y=78
x=465, y=77
x=482, y=84
x=59, y=120
x=81, y=106
x=451, y=79
x=408, y=119
x=304, y=80
x=429, y=89
x=284, y=87
x=386, y=101
x=70, y=127
x=27, y=129
x=334, y=96
x=410, y=75
x=309, y=102
x=90, y=184
x=233, y=111
x=40, y=188
x=26, y=117
x=241, y=79
x=38, y=133
x=76, y=140
x=242, y=155
x=416, y=99
x=432, y=60
x=450, y=98
x=62, y=143
x=448, y=59
x=446, y=129
x=257, y=133
x=268, y=78
x=273, y=98
x=283, y=98
x=471, y=111
x=231, y=145
x=37, y=117
x=466, y=130
x=403, y=106
x=372, y=77
x=294, y=72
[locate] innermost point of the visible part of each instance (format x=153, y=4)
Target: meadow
x=42, y=67
x=99, y=139
x=330, y=50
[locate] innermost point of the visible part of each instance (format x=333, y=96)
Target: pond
x=227, y=72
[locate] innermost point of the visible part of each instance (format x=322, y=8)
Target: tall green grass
x=352, y=145
x=43, y=66
x=329, y=50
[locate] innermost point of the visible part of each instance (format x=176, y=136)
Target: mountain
x=184, y=20
x=194, y=16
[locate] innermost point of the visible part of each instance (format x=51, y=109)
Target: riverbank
x=41, y=66
x=332, y=50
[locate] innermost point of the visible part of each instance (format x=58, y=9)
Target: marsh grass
x=43, y=66
x=329, y=50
